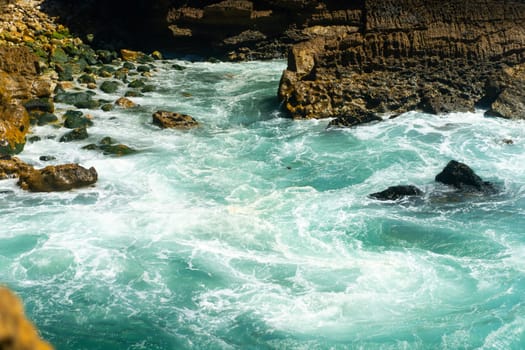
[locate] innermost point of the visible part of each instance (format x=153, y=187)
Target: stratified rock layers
x=405, y=55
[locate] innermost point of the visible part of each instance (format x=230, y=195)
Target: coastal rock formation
x=397, y=192
x=405, y=55
x=58, y=178
x=16, y=331
x=173, y=120
x=462, y=177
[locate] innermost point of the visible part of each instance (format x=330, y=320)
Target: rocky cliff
x=403, y=55
x=346, y=59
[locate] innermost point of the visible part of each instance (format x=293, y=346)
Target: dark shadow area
x=133, y=24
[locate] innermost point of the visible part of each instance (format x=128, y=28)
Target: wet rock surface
x=462, y=177
x=58, y=178
x=397, y=192
x=173, y=120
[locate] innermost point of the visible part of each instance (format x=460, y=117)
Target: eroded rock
x=58, y=178
x=397, y=192
x=462, y=177
x=166, y=119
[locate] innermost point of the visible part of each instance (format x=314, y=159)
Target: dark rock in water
x=76, y=119
x=143, y=68
x=107, y=107
x=86, y=79
x=121, y=75
x=75, y=135
x=109, y=87
x=47, y=158
x=128, y=65
x=77, y=99
x=40, y=105
x=33, y=139
x=137, y=84
x=133, y=93
x=397, y=192
x=148, y=88
x=508, y=141
x=65, y=72
x=106, y=56
x=166, y=119
x=461, y=176
x=58, y=178
x=46, y=118
x=106, y=71
x=178, y=67
x=109, y=146
x=353, y=120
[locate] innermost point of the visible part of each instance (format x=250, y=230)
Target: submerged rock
x=109, y=87
x=354, y=120
x=397, y=192
x=109, y=146
x=462, y=177
x=76, y=119
x=58, y=178
x=75, y=135
x=166, y=119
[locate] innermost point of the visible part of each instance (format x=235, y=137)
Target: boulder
x=14, y=125
x=510, y=90
x=75, y=135
x=12, y=167
x=77, y=99
x=109, y=87
x=130, y=55
x=166, y=119
x=397, y=192
x=125, y=103
x=76, y=119
x=16, y=331
x=40, y=105
x=462, y=177
x=46, y=118
x=109, y=146
x=58, y=178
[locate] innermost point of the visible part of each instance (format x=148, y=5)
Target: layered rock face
x=403, y=55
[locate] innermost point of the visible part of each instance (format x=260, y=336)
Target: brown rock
x=12, y=167
x=18, y=59
x=406, y=55
x=125, y=103
x=58, y=178
x=166, y=119
x=14, y=125
x=16, y=331
x=130, y=55
x=510, y=100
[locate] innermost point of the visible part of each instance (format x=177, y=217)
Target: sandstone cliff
x=404, y=55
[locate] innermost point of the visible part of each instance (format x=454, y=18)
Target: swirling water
x=255, y=231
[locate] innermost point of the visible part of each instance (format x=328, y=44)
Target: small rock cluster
x=456, y=174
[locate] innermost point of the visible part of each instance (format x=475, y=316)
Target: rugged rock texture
x=397, y=192
x=16, y=331
x=58, y=178
x=173, y=120
x=462, y=177
x=402, y=55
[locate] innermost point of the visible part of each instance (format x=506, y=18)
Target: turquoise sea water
x=255, y=231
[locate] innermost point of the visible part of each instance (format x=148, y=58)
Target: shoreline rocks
x=173, y=120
